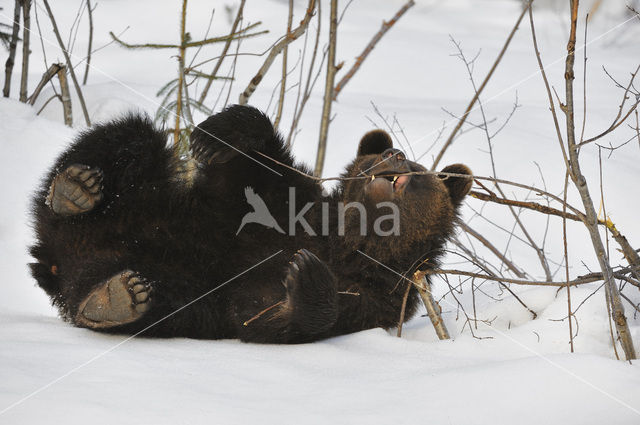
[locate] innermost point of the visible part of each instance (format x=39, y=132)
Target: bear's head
x=404, y=212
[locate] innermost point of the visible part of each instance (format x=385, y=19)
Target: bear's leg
x=76, y=190
x=235, y=132
x=122, y=299
x=309, y=309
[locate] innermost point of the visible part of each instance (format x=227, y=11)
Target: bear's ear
x=458, y=186
x=374, y=142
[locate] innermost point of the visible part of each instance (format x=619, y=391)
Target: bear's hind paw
x=76, y=190
x=121, y=300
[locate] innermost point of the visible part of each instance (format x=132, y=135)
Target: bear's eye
x=391, y=153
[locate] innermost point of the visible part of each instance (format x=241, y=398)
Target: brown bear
x=132, y=239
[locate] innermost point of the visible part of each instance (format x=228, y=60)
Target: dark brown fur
x=182, y=237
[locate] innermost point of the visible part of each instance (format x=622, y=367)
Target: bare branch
x=283, y=80
x=328, y=89
x=26, y=37
x=275, y=51
x=492, y=248
x=386, y=25
x=69, y=64
x=234, y=36
x=452, y=136
x=88, y=60
x=223, y=55
x=611, y=290
x=620, y=119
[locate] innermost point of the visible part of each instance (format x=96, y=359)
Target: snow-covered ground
x=519, y=370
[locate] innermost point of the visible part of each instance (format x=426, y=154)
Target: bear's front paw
x=76, y=190
x=311, y=293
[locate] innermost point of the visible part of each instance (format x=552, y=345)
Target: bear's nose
x=391, y=152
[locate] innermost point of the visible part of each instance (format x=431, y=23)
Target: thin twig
x=452, y=136
x=279, y=303
x=465, y=227
x=223, y=55
x=303, y=97
x=566, y=259
x=581, y=280
x=88, y=60
x=283, y=81
x=275, y=51
x=386, y=25
x=485, y=127
x=619, y=119
x=234, y=36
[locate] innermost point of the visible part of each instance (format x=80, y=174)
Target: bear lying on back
x=131, y=239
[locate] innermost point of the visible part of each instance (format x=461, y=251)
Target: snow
x=516, y=369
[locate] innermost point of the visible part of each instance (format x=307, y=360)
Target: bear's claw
x=120, y=300
x=76, y=190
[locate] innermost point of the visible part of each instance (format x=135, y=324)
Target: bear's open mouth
x=396, y=178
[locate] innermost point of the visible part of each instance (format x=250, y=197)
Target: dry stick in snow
x=433, y=309
x=13, y=44
x=275, y=51
x=462, y=120
x=26, y=31
x=223, y=55
x=69, y=64
x=65, y=96
x=283, y=81
x=405, y=298
x=86, y=68
x=46, y=77
x=328, y=89
x=385, y=27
